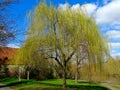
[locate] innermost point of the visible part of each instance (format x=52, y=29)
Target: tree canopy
x=59, y=34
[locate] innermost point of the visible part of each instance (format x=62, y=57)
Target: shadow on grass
x=78, y=87
x=87, y=87
x=13, y=84
x=51, y=86
x=87, y=82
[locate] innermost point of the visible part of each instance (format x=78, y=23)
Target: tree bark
x=28, y=75
x=76, y=75
x=19, y=73
x=64, y=77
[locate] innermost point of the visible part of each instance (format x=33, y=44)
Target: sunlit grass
x=117, y=86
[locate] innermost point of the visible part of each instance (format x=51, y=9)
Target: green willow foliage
x=58, y=34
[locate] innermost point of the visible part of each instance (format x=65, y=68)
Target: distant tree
x=112, y=70
x=58, y=33
x=3, y=67
x=35, y=64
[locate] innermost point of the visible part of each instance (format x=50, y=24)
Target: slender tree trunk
x=28, y=75
x=76, y=75
x=89, y=73
x=19, y=74
x=64, y=77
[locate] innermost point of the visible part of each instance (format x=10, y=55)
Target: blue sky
x=105, y=12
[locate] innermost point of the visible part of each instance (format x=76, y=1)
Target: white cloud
x=115, y=45
x=115, y=54
x=113, y=51
x=113, y=34
x=13, y=46
x=63, y=6
x=109, y=13
x=115, y=48
x=106, y=14
x=75, y=6
x=90, y=8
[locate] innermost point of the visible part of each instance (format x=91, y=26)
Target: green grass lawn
x=53, y=84
x=117, y=86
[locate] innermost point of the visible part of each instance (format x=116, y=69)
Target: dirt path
x=108, y=86
x=3, y=87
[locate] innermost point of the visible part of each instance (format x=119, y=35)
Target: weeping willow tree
x=33, y=59
x=59, y=34
x=92, y=49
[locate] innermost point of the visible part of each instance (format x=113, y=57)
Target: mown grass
x=53, y=84
x=117, y=86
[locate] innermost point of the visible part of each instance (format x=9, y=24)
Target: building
x=7, y=55
x=7, y=60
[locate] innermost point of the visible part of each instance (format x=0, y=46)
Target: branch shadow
x=78, y=87
x=13, y=84
x=74, y=87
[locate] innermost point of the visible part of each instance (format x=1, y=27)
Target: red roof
x=7, y=53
